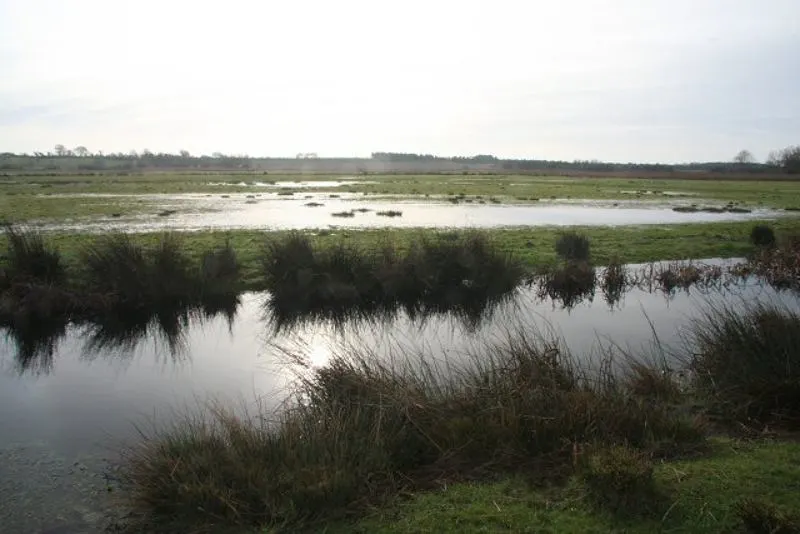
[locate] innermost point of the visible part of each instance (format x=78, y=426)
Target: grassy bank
x=518, y=432
x=534, y=247
x=708, y=494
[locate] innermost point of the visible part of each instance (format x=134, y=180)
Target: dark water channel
x=69, y=402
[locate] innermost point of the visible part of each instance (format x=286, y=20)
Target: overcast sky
x=622, y=80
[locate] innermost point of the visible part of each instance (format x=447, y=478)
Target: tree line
x=80, y=158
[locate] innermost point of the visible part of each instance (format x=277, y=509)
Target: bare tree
x=744, y=157
x=81, y=151
x=185, y=154
x=790, y=159
x=60, y=150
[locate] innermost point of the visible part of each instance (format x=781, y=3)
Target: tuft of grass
x=572, y=246
x=343, y=214
x=389, y=213
x=762, y=517
x=360, y=430
x=762, y=236
x=619, y=479
x=748, y=364
x=30, y=260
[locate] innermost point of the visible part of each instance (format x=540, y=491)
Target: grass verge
x=709, y=494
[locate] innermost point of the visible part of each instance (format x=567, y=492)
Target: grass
x=700, y=495
x=572, y=246
x=532, y=246
x=30, y=259
x=747, y=364
x=360, y=430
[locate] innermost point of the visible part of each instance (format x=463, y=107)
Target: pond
x=67, y=405
x=278, y=211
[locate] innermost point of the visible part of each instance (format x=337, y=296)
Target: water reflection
x=196, y=211
x=36, y=344
x=115, y=335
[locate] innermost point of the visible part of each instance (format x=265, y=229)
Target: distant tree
x=81, y=151
x=790, y=159
x=217, y=155
x=185, y=154
x=133, y=154
x=774, y=158
x=60, y=150
x=147, y=153
x=744, y=157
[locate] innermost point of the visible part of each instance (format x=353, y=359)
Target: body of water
x=270, y=211
x=67, y=406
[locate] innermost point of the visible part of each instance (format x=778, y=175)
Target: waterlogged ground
x=306, y=210
x=68, y=407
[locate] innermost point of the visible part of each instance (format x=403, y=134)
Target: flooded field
x=297, y=210
x=70, y=399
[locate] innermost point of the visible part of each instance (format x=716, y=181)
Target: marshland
x=353, y=380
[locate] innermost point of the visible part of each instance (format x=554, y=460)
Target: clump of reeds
x=361, y=429
x=30, y=260
x=572, y=246
x=762, y=236
x=748, y=364
x=433, y=275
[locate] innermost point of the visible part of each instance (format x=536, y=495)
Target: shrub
x=572, y=246
x=762, y=236
x=748, y=363
x=30, y=259
x=619, y=478
x=760, y=517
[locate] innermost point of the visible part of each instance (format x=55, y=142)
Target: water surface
x=272, y=211
x=66, y=407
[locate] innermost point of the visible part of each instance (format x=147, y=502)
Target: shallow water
x=64, y=414
x=274, y=211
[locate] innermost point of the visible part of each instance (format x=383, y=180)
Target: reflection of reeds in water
x=614, y=282
x=112, y=335
x=569, y=283
x=36, y=345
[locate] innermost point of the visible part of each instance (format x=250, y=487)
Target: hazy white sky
x=626, y=80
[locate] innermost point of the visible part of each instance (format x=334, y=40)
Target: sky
x=614, y=80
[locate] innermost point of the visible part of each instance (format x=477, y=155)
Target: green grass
x=533, y=246
x=700, y=496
